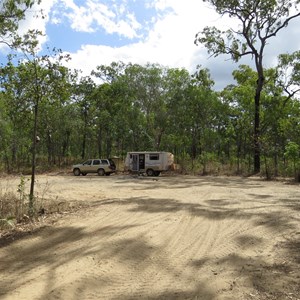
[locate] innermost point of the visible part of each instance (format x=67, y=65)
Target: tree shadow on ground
x=263, y=276
x=48, y=249
x=214, y=209
x=54, y=247
x=278, y=280
x=139, y=182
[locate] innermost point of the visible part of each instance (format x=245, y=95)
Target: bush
x=292, y=151
x=13, y=206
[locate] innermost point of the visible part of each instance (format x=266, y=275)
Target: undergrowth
x=14, y=205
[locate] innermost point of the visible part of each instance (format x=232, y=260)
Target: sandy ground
x=170, y=237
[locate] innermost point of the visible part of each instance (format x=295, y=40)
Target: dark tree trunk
x=100, y=142
x=257, y=133
x=259, y=87
x=83, y=146
x=33, y=163
x=84, y=136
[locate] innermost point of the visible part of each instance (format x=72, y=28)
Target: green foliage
x=257, y=23
x=142, y=108
x=151, y=107
x=38, y=83
x=289, y=72
x=292, y=152
x=11, y=12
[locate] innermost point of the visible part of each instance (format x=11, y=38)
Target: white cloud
x=37, y=17
x=170, y=42
x=167, y=38
x=94, y=15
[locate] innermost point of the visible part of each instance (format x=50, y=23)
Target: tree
x=240, y=114
x=146, y=85
x=141, y=89
x=288, y=73
x=83, y=97
x=259, y=21
x=35, y=81
x=11, y=12
x=292, y=152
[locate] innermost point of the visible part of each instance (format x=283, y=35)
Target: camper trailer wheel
x=101, y=172
x=150, y=172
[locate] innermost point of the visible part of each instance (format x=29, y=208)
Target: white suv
x=100, y=166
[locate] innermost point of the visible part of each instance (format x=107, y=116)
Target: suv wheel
x=101, y=172
x=76, y=172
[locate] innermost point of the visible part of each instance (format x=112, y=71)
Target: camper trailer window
x=154, y=156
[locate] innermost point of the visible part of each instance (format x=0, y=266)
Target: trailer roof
x=144, y=152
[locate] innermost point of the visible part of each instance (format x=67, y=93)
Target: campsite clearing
x=167, y=237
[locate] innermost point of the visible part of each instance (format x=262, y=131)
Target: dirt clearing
x=169, y=237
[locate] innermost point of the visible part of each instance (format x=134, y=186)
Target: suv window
x=88, y=162
x=104, y=162
x=96, y=162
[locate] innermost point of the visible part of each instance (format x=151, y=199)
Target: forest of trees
x=54, y=116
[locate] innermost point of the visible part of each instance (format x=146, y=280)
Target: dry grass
x=14, y=206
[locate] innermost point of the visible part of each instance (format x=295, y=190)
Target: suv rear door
x=95, y=165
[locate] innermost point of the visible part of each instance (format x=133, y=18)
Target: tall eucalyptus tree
x=258, y=22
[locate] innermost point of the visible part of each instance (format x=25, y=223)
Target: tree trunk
x=259, y=87
x=83, y=145
x=257, y=133
x=33, y=163
x=65, y=146
x=108, y=143
x=159, y=138
x=50, y=148
x=84, y=136
x=100, y=142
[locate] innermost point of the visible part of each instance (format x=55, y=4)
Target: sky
x=98, y=32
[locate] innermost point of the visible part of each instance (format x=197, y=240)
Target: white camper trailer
x=151, y=163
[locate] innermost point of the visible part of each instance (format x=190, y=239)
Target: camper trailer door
x=135, y=162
